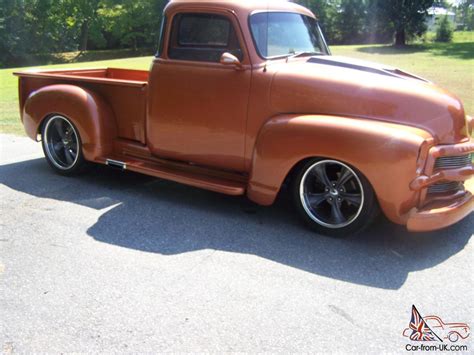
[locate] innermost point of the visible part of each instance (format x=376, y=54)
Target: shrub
x=444, y=33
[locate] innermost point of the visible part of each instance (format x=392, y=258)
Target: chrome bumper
x=439, y=211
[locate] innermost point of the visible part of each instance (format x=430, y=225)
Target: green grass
x=449, y=65
x=458, y=37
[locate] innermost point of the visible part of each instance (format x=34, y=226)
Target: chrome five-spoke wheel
x=334, y=197
x=62, y=144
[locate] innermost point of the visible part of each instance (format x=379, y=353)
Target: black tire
x=62, y=145
x=333, y=198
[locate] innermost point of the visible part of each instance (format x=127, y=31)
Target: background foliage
x=32, y=29
x=38, y=27
x=382, y=21
x=444, y=32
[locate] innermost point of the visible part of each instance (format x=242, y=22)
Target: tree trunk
x=84, y=36
x=400, y=38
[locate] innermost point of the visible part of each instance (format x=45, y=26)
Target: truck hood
x=341, y=86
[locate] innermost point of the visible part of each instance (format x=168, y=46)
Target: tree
x=406, y=18
x=82, y=17
x=465, y=12
x=325, y=11
x=26, y=28
x=350, y=21
x=441, y=3
x=444, y=33
x=133, y=22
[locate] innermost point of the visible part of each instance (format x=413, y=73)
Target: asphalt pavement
x=121, y=262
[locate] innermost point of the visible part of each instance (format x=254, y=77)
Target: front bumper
x=438, y=217
x=440, y=211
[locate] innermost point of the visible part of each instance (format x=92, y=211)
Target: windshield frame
x=283, y=56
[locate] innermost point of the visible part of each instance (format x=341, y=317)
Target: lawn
x=448, y=65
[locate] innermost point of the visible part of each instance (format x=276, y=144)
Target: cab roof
x=241, y=6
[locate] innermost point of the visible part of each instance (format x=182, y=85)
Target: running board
x=116, y=164
x=188, y=177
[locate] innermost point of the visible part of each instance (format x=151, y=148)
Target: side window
x=162, y=37
x=202, y=38
x=433, y=322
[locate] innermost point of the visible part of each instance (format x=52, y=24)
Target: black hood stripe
x=336, y=63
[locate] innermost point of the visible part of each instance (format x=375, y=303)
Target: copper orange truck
x=244, y=97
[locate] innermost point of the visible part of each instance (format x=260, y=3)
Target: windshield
x=278, y=34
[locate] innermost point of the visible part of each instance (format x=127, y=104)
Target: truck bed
x=124, y=90
x=103, y=75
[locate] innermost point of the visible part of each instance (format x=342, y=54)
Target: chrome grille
x=444, y=187
x=453, y=162
x=446, y=163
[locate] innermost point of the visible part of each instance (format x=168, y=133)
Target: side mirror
x=230, y=59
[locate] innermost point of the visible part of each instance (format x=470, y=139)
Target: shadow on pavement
x=158, y=216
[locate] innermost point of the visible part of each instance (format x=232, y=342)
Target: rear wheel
x=334, y=198
x=62, y=145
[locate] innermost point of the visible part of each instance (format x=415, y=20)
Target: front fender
x=89, y=112
x=386, y=153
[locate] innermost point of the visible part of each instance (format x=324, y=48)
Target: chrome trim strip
x=116, y=164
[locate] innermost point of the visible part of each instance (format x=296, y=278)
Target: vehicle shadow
x=464, y=50
x=157, y=216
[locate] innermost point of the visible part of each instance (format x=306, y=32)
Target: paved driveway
x=113, y=261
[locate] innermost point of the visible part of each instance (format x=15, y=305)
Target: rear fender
x=386, y=153
x=89, y=112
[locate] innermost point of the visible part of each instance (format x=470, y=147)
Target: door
x=198, y=106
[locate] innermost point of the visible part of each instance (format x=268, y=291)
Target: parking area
x=120, y=262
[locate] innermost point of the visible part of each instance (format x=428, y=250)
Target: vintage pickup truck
x=244, y=97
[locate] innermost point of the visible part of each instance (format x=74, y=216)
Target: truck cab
x=243, y=96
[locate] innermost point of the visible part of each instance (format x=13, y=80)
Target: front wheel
x=453, y=337
x=62, y=145
x=334, y=198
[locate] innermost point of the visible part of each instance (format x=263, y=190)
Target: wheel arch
x=88, y=111
x=295, y=169
x=372, y=147
x=456, y=333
